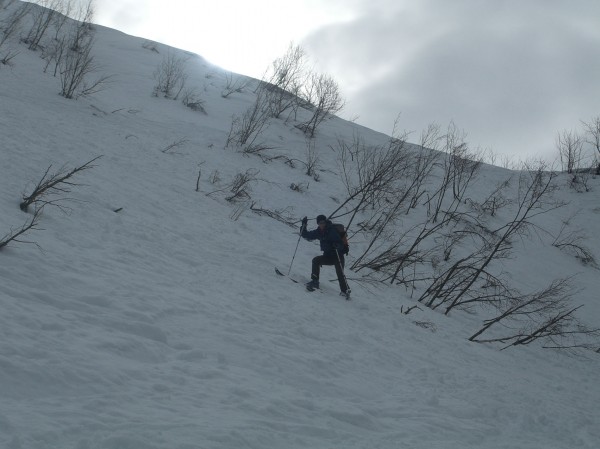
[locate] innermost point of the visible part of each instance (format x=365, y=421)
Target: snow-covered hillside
x=144, y=311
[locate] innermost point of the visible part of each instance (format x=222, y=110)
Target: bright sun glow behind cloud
x=238, y=35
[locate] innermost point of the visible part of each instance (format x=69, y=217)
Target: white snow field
x=145, y=313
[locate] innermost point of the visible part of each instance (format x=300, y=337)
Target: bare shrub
x=573, y=242
x=379, y=188
x=426, y=156
x=51, y=187
x=173, y=146
x=569, y=145
x=408, y=309
x=170, y=76
x=192, y=100
x=392, y=181
x=75, y=64
x=496, y=200
x=456, y=286
x=12, y=24
x=545, y=315
x=323, y=94
x=281, y=215
x=460, y=168
x=65, y=9
x=151, y=45
x=580, y=180
x=258, y=149
x=592, y=137
x=235, y=83
x=426, y=325
x=241, y=186
x=83, y=14
x=284, y=81
x=395, y=256
x=247, y=128
x=43, y=16
x=300, y=187
x=75, y=38
x=371, y=174
x=9, y=27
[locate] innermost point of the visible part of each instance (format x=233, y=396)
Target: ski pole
x=294, y=256
x=342, y=267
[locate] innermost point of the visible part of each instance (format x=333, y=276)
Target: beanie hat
x=321, y=218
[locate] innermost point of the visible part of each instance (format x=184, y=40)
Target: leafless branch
x=235, y=83
x=15, y=234
x=175, y=145
x=573, y=243
x=282, y=215
x=54, y=184
x=170, y=76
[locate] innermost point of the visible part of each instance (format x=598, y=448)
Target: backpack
x=341, y=229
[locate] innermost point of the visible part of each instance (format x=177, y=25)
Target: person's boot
x=312, y=285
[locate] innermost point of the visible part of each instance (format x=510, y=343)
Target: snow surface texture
x=164, y=325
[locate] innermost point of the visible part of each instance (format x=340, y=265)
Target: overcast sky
x=511, y=73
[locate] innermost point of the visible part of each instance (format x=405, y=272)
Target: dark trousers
x=319, y=261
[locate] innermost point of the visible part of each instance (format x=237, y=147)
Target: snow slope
x=164, y=326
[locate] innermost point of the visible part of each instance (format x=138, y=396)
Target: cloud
x=239, y=35
x=511, y=73
x=122, y=14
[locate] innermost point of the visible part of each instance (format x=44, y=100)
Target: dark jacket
x=329, y=239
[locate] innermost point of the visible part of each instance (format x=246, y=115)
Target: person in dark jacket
x=333, y=252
